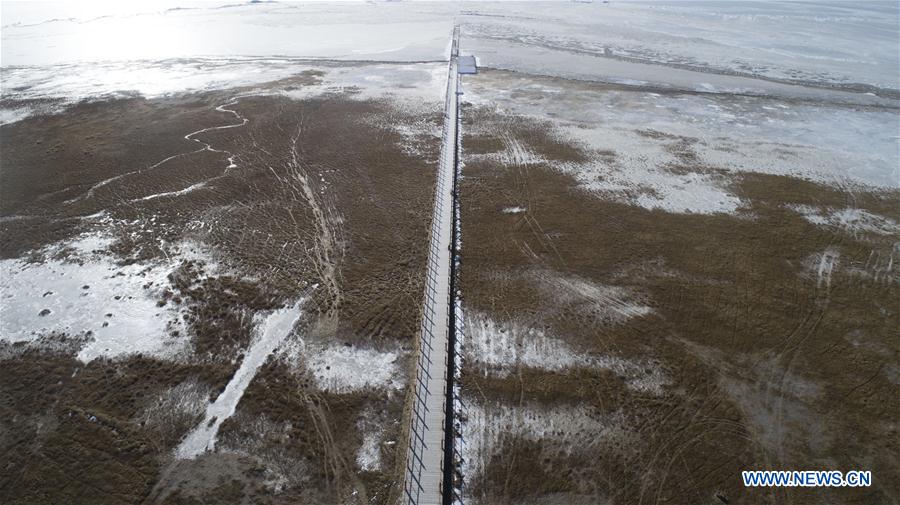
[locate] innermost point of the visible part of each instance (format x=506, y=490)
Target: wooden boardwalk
x=424, y=478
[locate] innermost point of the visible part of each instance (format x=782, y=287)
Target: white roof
x=467, y=65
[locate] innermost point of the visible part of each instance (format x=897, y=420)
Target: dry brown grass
x=323, y=193
x=767, y=368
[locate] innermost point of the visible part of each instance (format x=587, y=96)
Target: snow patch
x=641, y=175
x=8, y=116
x=342, y=369
x=498, y=349
x=419, y=134
x=80, y=290
x=180, y=192
x=346, y=368
x=574, y=428
x=368, y=457
x=418, y=88
x=849, y=219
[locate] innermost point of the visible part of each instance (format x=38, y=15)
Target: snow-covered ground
x=343, y=369
x=369, y=456
x=408, y=85
x=79, y=290
x=647, y=131
x=372, y=426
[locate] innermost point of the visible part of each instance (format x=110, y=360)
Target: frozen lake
x=853, y=45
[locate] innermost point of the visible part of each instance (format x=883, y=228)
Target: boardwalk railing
x=424, y=480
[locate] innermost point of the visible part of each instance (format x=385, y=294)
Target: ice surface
x=357, y=31
x=271, y=330
x=822, y=42
x=206, y=47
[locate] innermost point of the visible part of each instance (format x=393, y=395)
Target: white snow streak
x=827, y=262
x=180, y=192
x=498, y=349
x=850, y=220
x=612, y=304
x=574, y=428
x=271, y=330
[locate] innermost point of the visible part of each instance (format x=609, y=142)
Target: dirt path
x=327, y=253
